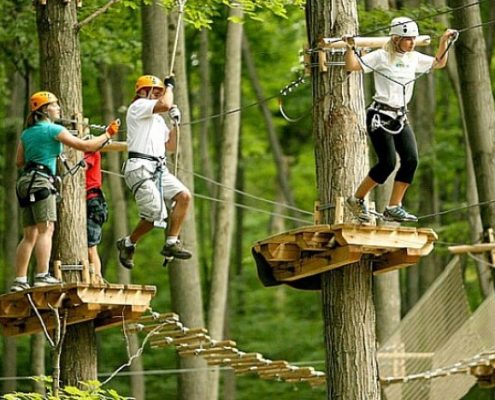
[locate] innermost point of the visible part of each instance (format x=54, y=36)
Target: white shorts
x=152, y=198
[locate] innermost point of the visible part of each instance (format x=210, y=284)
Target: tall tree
x=478, y=102
x=483, y=270
x=13, y=127
x=340, y=143
x=228, y=167
x=60, y=67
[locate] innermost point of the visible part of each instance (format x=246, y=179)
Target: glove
x=174, y=113
x=169, y=81
x=113, y=127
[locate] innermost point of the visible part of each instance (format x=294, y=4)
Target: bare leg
x=94, y=258
x=398, y=192
x=141, y=229
x=43, y=247
x=24, y=250
x=365, y=187
x=178, y=213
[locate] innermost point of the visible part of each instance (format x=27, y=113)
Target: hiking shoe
x=45, y=280
x=358, y=208
x=175, y=250
x=126, y=253
x=399, y=214
x=18, y=286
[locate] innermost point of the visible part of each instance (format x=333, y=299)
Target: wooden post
x=85, y=276
x=491, y=239
x=317, y=213
x=339, y=210
x=57, y=272
x=322, y=61
x=368, y=42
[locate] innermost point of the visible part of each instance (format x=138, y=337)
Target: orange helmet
x=39, y=99
x=149, y=81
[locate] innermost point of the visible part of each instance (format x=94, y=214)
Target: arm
x=442, y=54
x=172, y=140
x=19, y=159
x=165, y=102
x=83, y=145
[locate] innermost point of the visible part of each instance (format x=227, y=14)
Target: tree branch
x=101, y=10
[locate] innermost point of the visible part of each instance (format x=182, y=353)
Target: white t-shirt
x=147, y=132
x=402, y=70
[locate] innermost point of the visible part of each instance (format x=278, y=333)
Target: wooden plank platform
x=305, y=252
x=106, y=304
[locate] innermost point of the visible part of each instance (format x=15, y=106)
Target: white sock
x=128, y=242
x=42, y=274
x=172, y=239
x=21, y=279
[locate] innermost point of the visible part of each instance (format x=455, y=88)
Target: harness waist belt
x=135, y=154
x=33, y=166
x=386, y=107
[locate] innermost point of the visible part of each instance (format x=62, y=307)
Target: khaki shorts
x=41, y=211
x=151, y=199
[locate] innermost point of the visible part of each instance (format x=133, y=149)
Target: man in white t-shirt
x=146, y=172
x=395, y=68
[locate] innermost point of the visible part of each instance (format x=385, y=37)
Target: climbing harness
x=393, y=116
x=35, y=194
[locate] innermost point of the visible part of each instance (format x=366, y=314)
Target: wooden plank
x=280, y=251
x=473, y=248
x=379, y=237
x=394, y=260
x=368, y=42
x=331, y=259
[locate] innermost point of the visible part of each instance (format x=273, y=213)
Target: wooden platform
x=294, y=256
x=106, y=304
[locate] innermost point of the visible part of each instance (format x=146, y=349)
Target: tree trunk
x=13, y=128
x=276, y=148
x=341, y=162
x=228, y=167
x=478, y=103
x=38, y=360
x=60, y=67
x=185, y=281
x=154, y=39
x=490, y=33
x=476, y=229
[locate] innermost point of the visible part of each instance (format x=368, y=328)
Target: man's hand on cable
x=450, y=34
x=175, y=114
x=113, y=128
x=169, y=81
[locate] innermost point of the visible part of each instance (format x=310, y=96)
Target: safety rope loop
x=181, y=5
x=284, y=92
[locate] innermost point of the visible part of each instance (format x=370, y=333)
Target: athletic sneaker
x=45, y=280
x=176, y=250
x=399, y=214
x=126, y=253
x=359, y=208
x=18, y=286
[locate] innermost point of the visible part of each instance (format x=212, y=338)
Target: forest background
x=279, y=322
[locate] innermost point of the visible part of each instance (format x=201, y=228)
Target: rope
x=181, y=5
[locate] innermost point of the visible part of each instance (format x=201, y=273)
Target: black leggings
x=386, y=146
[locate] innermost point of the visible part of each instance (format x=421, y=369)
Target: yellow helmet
x=39, y=99
x=149, y=81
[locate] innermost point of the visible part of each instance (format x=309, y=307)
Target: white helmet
x=403, y=26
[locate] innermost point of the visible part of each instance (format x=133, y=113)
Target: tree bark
x=13, y=129
x=60, y=67
x=154, y=39
x=228, y=167
x=341, y=156
x=478, y=103
x=38, y=361
x=185, y=280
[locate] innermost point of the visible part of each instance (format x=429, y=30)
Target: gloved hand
x=169, y=81
x=113, y=127
x=174, y=113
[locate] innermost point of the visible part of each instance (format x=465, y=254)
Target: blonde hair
x=392, y=46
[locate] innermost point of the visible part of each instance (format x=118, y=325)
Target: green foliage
x=92, y=391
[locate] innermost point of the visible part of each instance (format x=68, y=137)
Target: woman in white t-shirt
x=395, y=68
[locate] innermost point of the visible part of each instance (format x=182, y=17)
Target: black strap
x=135, y=154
